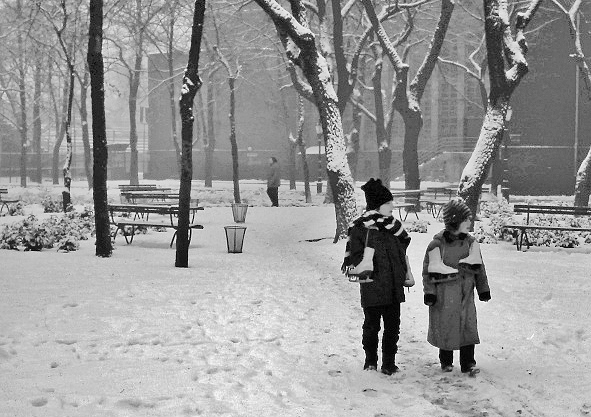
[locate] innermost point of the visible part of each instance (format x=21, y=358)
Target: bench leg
x=174, y=236
x=129, y=239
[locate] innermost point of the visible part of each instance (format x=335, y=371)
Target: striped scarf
x=375, y=220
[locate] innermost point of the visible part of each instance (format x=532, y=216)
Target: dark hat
x=454, y=213
x=375, y=194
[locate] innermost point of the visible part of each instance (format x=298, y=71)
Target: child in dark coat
x=388, y=271
x=452, y=268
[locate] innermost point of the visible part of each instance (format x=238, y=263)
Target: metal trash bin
x=235, y=238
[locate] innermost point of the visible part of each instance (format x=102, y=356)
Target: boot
x=371, y=361
x=436, y=265
x=474, y=259
x=364, y=269
x=389, y=364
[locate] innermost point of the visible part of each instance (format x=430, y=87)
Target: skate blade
x=360, y=280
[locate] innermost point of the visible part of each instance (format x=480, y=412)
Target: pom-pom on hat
x=454, y=213
x=376, y=194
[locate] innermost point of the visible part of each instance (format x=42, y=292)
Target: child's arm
x=410, y=279
x=482, y=284
x=429, y=291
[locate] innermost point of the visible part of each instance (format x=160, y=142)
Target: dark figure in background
x=273, y=182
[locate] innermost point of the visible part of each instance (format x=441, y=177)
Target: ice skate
x=436, y=265
x=474, y=259
x=364, y=269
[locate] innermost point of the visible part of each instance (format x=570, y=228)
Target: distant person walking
x=273, y=182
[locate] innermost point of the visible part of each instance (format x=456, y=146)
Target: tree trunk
x=210, y=147
x=383, y=141
x=60, y=135
x=67, y=199
x=191, y=84
x=22, y=83
x=172, y=96
x=316, y=71
x=353, y=142
x=84, y=122
x=132, y=106
x=134, y=83
x=583, y=182
x=38, y=177
x=233, y=144
x=302, y=147
x=413, y=123
x=502, y=51
x=103, y=247
x=489, y=140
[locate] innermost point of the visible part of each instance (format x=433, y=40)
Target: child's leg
x=467, y=361
x=371, y=328
x=446, y=358
x=390, y=338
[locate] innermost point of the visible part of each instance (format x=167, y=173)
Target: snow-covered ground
x=276, y=330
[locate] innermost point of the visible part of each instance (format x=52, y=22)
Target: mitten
x=430, y=299
x=485, y=296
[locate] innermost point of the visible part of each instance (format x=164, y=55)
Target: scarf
x=375, y=220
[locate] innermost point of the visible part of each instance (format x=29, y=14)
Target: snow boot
x=447, y=368
x=364, y=269
x=474, y=259
x=389, y=364
x=436, y=265
x=371, y=362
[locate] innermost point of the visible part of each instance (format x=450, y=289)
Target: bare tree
x=133, y=19
x=583, y=176
x=191, y=84
x=507, y=64
x=104, y=246
x=301, y=49
x=407, y=96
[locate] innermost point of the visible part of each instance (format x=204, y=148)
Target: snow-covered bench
x=528, y=209
x=4, y=202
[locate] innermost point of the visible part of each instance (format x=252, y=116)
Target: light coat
x=452, y=319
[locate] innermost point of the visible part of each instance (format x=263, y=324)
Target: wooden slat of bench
x=521, y=208
x=129, y=239
x=542, y=227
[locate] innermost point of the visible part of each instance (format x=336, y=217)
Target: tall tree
x=191, y=84
x=302, y=51
x=407, y=95
x=583, y=176
x=104, y=246
x=507, y=65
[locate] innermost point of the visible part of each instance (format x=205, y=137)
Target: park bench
x=141, y=218
x=154, y=195
x=434, y=198
x=4, y=202
x=528, y=209
x=410, y=204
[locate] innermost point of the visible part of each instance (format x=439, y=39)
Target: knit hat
x=454, y=213
x=376, y=194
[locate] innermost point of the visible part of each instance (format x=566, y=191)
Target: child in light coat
x=452, y=269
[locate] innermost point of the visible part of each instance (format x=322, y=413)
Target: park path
x=274, y=331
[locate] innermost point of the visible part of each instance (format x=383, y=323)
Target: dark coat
x=273, y=176
x=452, y=319
x=389, y=265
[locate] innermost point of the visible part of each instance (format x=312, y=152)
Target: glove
x=430, y=299
x=485, y=296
